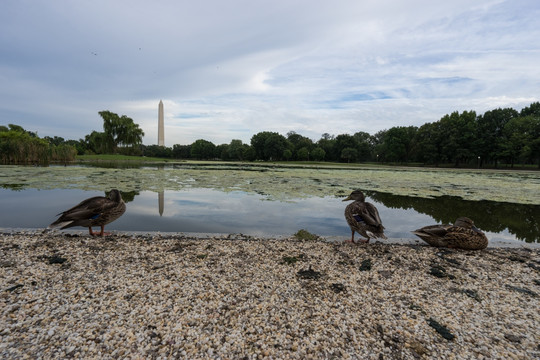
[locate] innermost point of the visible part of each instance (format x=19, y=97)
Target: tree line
x=497, y=137
x=19, y=146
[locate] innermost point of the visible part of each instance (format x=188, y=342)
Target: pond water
x=203, y=210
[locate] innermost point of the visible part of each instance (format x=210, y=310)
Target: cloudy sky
x=229, y=69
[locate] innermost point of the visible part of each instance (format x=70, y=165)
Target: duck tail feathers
x=61, y=225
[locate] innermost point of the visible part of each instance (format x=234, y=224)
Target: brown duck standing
x=363, y=218
x=95, y=211
x=462, y=235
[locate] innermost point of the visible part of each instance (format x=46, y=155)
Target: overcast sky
x=230, y=69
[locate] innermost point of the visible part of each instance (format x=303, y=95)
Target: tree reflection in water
x=523, y=221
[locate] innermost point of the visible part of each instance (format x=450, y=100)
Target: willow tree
x=120, y=131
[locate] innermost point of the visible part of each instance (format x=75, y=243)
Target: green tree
x=365, y=148
x=202, y=149
x=345, y=141
x=156, y=151
x=120, y=131
x=98, y=143
x=274, y=146
x=248, y=153
x=287, y=154
x=18, y=146
x=489, y=134
x=318, y=154
x=533, y=109
x=399, y=143
x=258, y=142
x=349, y=154
x=458, y=136
x=181, y=151
x=16, y=128
x=222, y=152
x=534, y=147
x=63, y=153
x=521, y=138
x=269, y=145
x=303, y=154
x=79, y=145
x=298, y=142
x=236, y=150
x=429, y=139
x=56, y=140
x=327, y=143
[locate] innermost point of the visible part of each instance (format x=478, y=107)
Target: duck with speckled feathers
x=363, y=218
x=95, y=211
x=462, y=235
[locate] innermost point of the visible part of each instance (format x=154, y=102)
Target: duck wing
x=84, y=212
x=367, y=213
x=433, y=230
x=433, y=234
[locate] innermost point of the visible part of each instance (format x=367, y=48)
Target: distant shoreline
x=230, y=236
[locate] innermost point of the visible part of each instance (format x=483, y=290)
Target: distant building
x=161, y=126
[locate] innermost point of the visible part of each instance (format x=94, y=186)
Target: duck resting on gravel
x=462, y=235
x=363, y=218
x=95, y=211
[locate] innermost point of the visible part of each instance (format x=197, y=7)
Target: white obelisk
x=161, y=126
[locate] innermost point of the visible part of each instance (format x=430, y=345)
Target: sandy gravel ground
x=236, y=297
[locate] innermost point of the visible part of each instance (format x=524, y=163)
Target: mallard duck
x=462, y=235
x=363, y=218
x=95, y=211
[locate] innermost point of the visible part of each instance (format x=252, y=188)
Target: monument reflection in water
x=161, y=202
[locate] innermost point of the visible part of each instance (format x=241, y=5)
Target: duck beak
x=347, y=198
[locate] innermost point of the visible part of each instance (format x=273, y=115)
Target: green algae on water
x=287, y=183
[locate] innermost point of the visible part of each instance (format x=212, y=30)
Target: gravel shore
x=139, y=296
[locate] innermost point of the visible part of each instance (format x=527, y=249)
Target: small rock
x=309, y=274
x=473, y=294
x=366, y=265
x=442, y=330
x=15, y=287
x=522, y=290
x=338, y=287
x=289, y=259
x=55, y=259
x=440, y=272
x=514, y=338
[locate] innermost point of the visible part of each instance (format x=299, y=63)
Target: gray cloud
x=231, y=69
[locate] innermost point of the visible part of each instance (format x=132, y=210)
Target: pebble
x=170, y=296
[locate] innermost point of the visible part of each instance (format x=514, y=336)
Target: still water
x=201, y=210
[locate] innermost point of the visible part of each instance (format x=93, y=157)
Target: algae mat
x=286, y=183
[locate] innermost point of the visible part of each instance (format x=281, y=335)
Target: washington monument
x=161, y=127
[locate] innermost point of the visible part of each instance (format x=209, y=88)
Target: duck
x=363, y=217
x=95, y=211
x=462, y=235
